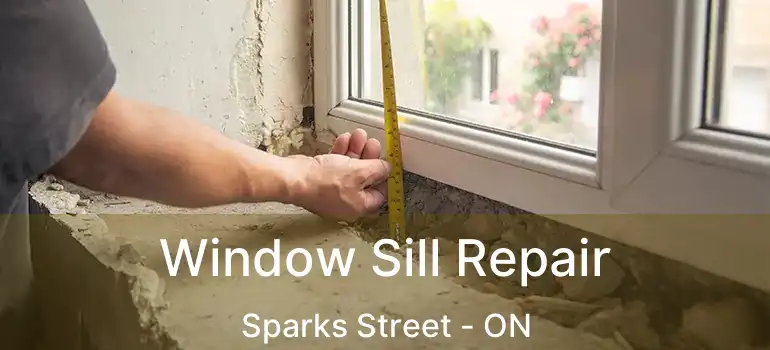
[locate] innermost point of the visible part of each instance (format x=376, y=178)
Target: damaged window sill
x=113, y=289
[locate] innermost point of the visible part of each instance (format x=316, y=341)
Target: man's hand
x=347, y=183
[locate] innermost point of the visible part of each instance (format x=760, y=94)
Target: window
x=604, y=107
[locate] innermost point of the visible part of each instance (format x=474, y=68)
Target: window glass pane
x=745, y=83
x=530, y=67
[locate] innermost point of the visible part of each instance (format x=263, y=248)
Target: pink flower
x=581, y=45
x=513, y=99
x=541, y=24
x=573, y=62
x=543, y=98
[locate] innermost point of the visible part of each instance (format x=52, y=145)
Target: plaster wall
x=239, y=66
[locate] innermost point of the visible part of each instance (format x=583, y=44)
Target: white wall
x=222, y=62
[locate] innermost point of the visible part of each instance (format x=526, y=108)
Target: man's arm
x=140, y=150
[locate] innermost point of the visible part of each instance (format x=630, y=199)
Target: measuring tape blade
x=396, y=215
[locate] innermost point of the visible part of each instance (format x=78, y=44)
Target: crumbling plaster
x=93, y=292
x=239, y=66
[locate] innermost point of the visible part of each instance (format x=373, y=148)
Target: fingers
x=341, y=144
x=372, y=149
x=357, y=144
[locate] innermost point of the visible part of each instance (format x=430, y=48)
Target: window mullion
x=636, y=88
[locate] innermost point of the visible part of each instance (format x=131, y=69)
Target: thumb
x=372, y=171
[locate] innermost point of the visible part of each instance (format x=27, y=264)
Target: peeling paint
x=247, y=81
x=269, y=121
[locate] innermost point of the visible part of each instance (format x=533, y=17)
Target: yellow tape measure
x=396, y=216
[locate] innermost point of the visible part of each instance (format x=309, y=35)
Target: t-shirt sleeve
x=55, y=69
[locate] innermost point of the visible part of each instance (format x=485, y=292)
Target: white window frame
x=653, y=157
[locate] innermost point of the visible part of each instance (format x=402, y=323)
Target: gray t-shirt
x=54, y=70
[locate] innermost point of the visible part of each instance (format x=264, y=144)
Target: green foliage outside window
x=450, y=42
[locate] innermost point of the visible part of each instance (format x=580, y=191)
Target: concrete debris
x=603, y=323
x=642, y=270
x=622, y=341
x=495, y=246
x=589, y=288
x=286, y=142
x=56, y=187
x=490, y=288
x=723, y=325
x=564, y=312
x=55, y=197
x=76, y=211
x=127, y=253
x=447, y=247
x=510, y=289
x=59, y=202
x=514, y=240
x=608, y=302
x=544, y=286
x=630, y=320
x=683, y=341
x=637, y=327
x=450, y=229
